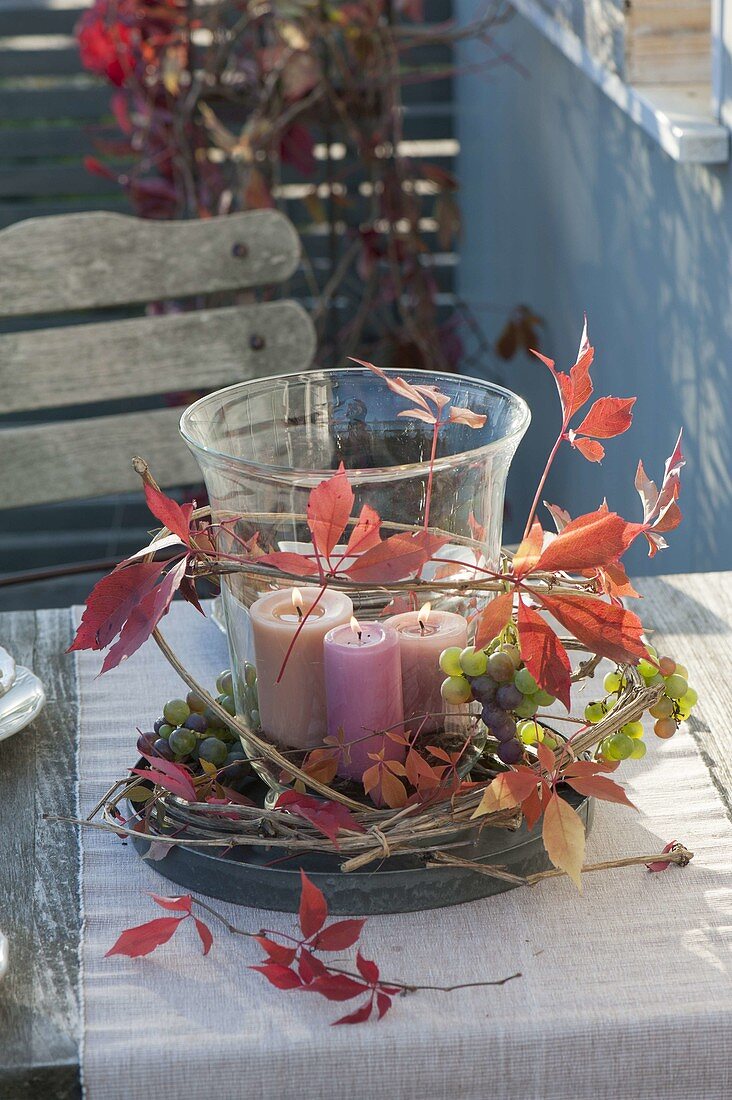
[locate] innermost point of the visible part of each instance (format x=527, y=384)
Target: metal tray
x=259, y=877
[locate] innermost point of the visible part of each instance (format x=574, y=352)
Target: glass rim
x=366, y=473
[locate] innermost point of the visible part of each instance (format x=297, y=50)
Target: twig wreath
x=510, y=764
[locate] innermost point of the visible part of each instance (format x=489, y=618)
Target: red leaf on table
x=180, y=904
x=111, y=601
x=289, y=562
x=176, y=517
x=564, y=838
x=383, y=1004
x=594, y=539
x=662, y=864
x=543, y=653
x=276, y=952
x=283, y=977
x=328, y=816
x=145, y=617
x=144, y=938
x=599, y=786
x=165, y=773
x=337, y=987
x=204, y=933
x=310, y=967
x=328, y=510
x=313, y=907
x=529, y=551
x=608, y=417
x=605, y=628
x=338, y=936
x=360, y=1016
x=366, y=532
x=590, y=448
x=367, y=968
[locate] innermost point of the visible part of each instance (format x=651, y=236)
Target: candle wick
x=421, y=626
x=299, y=612
x=359, y=637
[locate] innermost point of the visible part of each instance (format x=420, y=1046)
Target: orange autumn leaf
x=564, y=838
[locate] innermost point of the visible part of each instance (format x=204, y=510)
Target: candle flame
x=297, y=601
x=356, y=627
x=424, y=614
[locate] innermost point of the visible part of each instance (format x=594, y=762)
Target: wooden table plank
x=39, y=873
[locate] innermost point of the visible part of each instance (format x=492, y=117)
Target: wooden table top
x=690, y=615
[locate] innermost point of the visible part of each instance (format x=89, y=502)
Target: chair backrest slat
x=92, y=457
x=205, y=349
x=77, y=262
x=99, y=259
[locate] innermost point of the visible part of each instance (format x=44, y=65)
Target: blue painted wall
x=568, y=206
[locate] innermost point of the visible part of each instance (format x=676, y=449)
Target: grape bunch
x=498, y=679
x=188, y=731
x=671, y=709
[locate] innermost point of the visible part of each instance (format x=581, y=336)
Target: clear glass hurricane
x=264, y=445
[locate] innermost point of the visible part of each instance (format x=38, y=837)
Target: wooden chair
x=92, y=261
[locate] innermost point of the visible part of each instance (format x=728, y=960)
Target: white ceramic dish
x=20, y=705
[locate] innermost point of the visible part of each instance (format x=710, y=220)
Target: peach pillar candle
x=363, y=686
x=293, y=711
x=423, y=635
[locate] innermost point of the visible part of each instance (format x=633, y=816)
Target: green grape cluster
x=498, y=679
x=672, y=708
x=188, y=731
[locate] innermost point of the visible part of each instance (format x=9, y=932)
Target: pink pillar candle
x=363, y=686
x=293, y=711
x=422, y=637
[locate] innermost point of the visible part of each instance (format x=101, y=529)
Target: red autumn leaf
x=310, y=967
x=605, y=628
x=543, y=654
x=599, y=786
x=180, y=904
x=328, y=510
x=111, y=601
x=560, y=516
x=532, y=807
x=360, y=1015
x=662, y=864
x=608, y=417
x=529, y=551
x=396, y=385
x=283, y=977
x=575, y=388
x=594, y=539
x=419, y=414
x=583, y=768
x=145, y=617
x=394, y=558
x=590, y=448
x=144, y=938
x=383, y=1004
x=176, y=517
x=507, y=790
x=327, y=816
x=367, y=968
x=204, y=933
x=338, y=936
x=366, y=532
x=616, y=581
x=276, y=952
x=564, y=838
x=165, y=773
x=313, y=907
x=289, y=562
x=383, y=786
x=466, y=416
x=337, y=987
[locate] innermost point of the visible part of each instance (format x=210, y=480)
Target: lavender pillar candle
x=363, y=691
